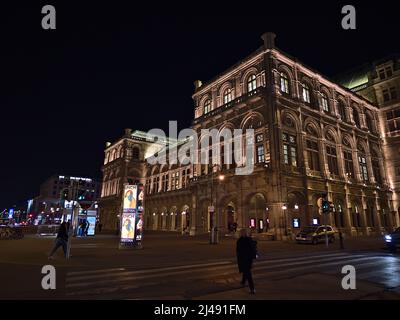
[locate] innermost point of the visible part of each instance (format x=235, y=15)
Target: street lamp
x=284, y=208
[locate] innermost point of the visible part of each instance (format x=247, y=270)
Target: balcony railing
x=230, y=104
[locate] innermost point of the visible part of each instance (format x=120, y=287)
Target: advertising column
x=132, y=217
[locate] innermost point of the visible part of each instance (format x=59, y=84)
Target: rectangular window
x=382, y=75
x=259, y=138
x=386, y=96
x=293, y=156
x=348, y=164
x=325, y=105
x=260, y=154
x=393, y=93
x=313, y=155
x=306, y=94
x=285, y=154
x=289, y=149
x=389, y=72
x=363, y=168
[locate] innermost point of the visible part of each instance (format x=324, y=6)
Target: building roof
x=355, y=78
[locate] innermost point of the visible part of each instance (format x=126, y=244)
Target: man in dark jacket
x=61, y=240
x=246, y=252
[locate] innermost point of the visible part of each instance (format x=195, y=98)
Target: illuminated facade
x=379, y=82
x=313, y=137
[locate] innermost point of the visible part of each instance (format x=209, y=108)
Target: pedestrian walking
x=246, y=252
x=61, y=240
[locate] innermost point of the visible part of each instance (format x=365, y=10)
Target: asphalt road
x=171, y=266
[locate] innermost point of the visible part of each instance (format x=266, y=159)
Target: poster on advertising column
x=132, y=216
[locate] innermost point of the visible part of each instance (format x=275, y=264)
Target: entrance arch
x=184, y=219
x=257, y=213
x=173, y=216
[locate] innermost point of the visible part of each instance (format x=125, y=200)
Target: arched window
x=324, y=102
x=342, y=110
x=356, y=118
x=227, y=95
x=284, y=83
x=135, y=153
x=305, y=93
x=251, y=83
x=207, y=106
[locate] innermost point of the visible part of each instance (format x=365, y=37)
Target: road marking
x=94, y=271
x=229, y=267
x=141, y=271
x=210, y=271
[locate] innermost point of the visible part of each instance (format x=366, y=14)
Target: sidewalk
x=306, y=287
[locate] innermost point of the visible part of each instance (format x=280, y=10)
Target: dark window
x=313, y=155
x=356, y=117
x=356, y=217
x=389, y=72
x=386, y=95
x=332, y=160
x=393, y=93
x=348, y=164
x=369, y=122
x=377, y=171
x=342, y=110
x=382, y=74
x=135, y=153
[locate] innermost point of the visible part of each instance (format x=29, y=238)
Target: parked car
x=392, y=240
x=315, y=234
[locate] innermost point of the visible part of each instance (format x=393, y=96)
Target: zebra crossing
x=381, y=268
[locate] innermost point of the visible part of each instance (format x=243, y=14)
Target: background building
x=379, y=82
x=57, y=192
x=313, y=137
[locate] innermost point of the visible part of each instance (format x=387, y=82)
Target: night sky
x=65, y=92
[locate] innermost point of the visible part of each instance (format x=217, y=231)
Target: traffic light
x=81, y=194
x=65, y=194
x=326, y=206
